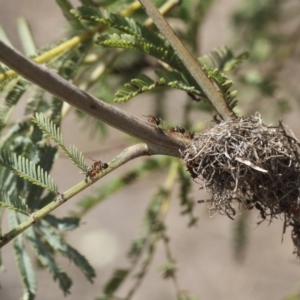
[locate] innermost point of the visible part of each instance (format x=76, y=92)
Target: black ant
x=154, y=120
x=96, y=167
x=177, y=129
x=193, y=174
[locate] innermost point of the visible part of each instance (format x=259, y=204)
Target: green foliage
x=46, y=258
x=66, y=7
x=26, y=169
x=240, y=237
x=144, y=84
x=12, y=202
x=59, y=245
x=26, y=158
x=52, y=131
x=139, y=38
x=168, y=269
x=24, y=262
x=11, y=100
x=67, y=223
x=223, y=59
x=186, y=201
x=117, y=279
x=143, y=248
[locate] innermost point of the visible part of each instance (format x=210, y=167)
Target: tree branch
x=158, y=141
x=125, y=156
x=194, y=68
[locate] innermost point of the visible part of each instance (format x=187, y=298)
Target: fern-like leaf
x=135, y=36
x=130, y=42
x=58, y=244
x=52, y=131
x=224, y=84
x=46, y=258
x=144, y=83
x=13, y=202
x=222, y=58
x=185, y=201
x=10, y=101
x=24, y=262
x=67, y=223
x=26, y=169
x=117, y=279
x=66, y=7
x=36, y=101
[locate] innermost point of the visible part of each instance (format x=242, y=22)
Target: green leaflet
x=46, y=258
x=28, y=170
x=186, y=202
x=114, y=283
x=126, y=25
x=139, y=38
x=26, y=37
x=222, y=58
x=24, y=262
x=11, y=100
x=52, y=131
x=144, y=83
x=13, y=202
x=67, y=223
x=130, y=42
x=66, y=7
x=58, y=244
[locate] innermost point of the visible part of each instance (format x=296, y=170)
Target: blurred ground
x=204, y=254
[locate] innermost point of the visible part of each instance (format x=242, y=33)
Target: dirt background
x=204, y=254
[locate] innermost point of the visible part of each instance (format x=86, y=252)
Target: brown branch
x=157, y=140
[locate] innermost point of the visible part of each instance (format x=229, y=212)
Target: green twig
x=125, y=156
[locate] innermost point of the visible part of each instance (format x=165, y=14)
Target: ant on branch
x=193, y=174
x=177, y=129
x=153, y=120
x=96, y=167
x=190, y=135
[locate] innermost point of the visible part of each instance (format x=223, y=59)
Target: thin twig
x=194, y=68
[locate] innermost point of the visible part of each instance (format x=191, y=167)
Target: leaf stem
x=194, y=68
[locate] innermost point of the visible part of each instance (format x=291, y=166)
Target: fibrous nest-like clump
x=246, y=163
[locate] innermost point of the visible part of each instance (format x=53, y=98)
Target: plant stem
x=158, y=141
x=125, y=156
x=194, y=68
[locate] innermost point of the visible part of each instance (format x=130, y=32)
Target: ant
x=177, y=129
x=190, y=135
x=96, y=167
x=193, y=174
x=154, y=120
